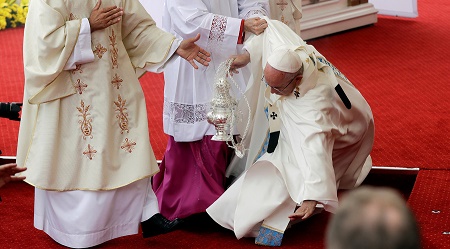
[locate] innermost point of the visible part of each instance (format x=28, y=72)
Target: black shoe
x=158, y=224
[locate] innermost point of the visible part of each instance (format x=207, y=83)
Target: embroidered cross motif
x=80, y=86
x=128, y=145
x=282, y=4
x=117, y=81
x=89, y=152
x=273, y=115
x=99, y=50
x=297, y=94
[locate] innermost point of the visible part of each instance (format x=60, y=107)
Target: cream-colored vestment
x=86, y=129
x=288, y=12
x=323, y=146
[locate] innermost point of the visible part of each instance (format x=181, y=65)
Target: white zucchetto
x=285, y=59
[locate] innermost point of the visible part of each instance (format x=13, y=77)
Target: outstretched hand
x=101, y=18
x=190, y=51
x=8, y=171
x=304, y=211
x=240, y=60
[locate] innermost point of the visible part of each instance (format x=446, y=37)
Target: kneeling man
x=321, y=134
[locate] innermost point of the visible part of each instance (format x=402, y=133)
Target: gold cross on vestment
x=90, y=152
x=80, y=86
x=128, y=145
x=282, y=4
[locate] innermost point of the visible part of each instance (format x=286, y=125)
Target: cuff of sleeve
x=241, y=33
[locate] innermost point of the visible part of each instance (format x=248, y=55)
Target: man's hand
x=189, y=51
x=101, y=18
x=240, y=60
x=255, y=25
x=304, y=211
x=7, y=172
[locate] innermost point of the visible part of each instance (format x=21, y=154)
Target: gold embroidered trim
x=128, y=145
x=122, y=114
x=99, y=50
x=89, y=152
x=114, y=50
x=80, y=86
x=116, y=81
x=91, y=189
x=86, y=122
x=272, y=228
x=77, y=69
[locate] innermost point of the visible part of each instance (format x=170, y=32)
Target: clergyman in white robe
x=323, y=144
x=84, y=132
x=192, y=172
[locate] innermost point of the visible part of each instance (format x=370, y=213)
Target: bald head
x=373, y=218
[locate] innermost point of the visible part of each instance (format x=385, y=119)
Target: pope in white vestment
x=84, y=132
x=325, y=130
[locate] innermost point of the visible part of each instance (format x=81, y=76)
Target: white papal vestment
x=323, y=146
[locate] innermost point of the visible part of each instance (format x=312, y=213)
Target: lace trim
x=255, y=13
x=185, y=113
x=217, y=34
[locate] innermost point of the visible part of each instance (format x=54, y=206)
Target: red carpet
x=400, y=65
x=430, y=201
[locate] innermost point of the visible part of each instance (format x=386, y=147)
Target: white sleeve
x=82, y=53
x=219, y=33
x=253, y=8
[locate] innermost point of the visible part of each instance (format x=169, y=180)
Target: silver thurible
x=223, y=106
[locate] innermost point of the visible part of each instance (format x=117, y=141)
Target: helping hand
x=8, y=171
x=190, y=51
x=304, y=211
x=104, y=17
x=240, y=60
x=255, y=25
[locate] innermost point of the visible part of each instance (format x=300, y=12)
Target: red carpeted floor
x=400, y=65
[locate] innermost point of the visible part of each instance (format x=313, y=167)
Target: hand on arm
x=101, y=18
x=190, y=51
x=304, y=211
x=255, y=25
x=240, y=60
x=7, y=172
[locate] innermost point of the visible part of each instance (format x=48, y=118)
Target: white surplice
x=323, y=146
x=188, y=92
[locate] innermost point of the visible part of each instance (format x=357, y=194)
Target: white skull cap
x=285, y=59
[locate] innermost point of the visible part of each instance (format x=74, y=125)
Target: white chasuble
x=323, y=146
x=86, y=129
x=188, y=92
